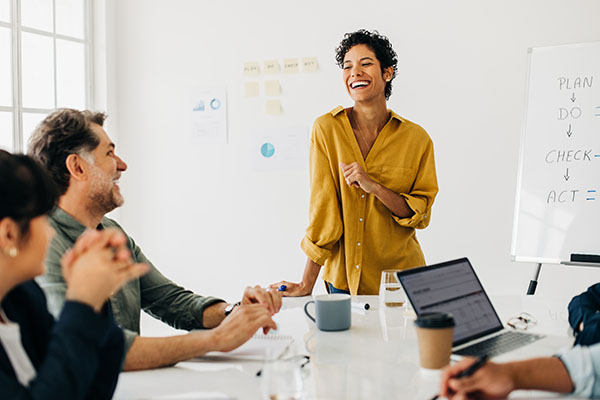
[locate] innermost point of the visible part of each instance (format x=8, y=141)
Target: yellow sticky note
x=251, y=69
x=272, y=88
x=310, y=64
x=290, y=65
x=273, y=107
x=251, y=89
x=271, y=67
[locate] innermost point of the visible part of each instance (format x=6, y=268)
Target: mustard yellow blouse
x=350, y=232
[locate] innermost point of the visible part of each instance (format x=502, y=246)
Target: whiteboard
x=557, y=206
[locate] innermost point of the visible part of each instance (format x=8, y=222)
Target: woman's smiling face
x=362, y=74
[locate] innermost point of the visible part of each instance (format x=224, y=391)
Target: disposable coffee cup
x=435, y=332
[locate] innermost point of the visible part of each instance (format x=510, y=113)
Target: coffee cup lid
x=435, y=320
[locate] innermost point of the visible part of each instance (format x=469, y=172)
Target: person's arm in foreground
x=257, y=307
x=498, y=380
x=236, y=329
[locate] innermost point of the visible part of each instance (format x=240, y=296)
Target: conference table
x=377, y=358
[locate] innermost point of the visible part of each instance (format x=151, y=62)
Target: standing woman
x=372, y=177
x=79, y=355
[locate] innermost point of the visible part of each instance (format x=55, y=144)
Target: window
x=45, y=48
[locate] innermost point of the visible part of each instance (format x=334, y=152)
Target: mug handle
x=307, y=313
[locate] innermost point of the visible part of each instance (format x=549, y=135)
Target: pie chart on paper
x=267, y=150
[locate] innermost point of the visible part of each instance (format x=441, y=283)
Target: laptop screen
x=452, y=287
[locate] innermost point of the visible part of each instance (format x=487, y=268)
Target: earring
x=13, y=252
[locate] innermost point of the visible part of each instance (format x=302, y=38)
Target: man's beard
x=105, y=202
x=103, y=198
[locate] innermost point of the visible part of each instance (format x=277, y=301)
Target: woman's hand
x=357, y=177
x=97, y=266
x=89, y=237
x=305, y=287
x=292, y=289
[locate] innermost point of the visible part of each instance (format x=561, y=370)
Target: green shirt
x=153, y=292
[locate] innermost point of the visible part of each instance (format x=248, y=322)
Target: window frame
x=16, y=30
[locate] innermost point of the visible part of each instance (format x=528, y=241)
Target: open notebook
x=259, y=347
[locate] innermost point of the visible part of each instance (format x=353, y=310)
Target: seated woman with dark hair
x=79, y=355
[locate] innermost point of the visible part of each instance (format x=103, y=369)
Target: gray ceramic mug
x=332, y=312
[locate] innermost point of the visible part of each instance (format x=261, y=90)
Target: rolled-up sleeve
x=583, y=365
x=163, y=299
x=129, y=337
x=325, y=226
x=421, y=197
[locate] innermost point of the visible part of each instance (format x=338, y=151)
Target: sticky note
x=251, y=89
x=273, y=88
x=271, y=67
x=290, y=65
x=251, y=69
x=310, y=64
x=273, y=107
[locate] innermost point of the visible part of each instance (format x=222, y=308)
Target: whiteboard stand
x=534, y=281
x=536, y=273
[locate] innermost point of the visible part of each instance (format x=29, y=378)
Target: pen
x=282, y=288
x=304, y=360
x=480, y=362
x=362, y=305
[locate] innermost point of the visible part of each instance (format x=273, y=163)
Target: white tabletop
x=376, y=358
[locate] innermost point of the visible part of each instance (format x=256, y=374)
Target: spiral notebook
x=259, y=347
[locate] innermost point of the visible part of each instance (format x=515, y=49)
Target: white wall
x=212, y=223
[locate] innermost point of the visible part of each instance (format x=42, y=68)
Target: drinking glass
x=391, y=293
x=283, y=380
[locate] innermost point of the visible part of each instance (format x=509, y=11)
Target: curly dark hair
x=63, y=132
x=380, y=45
x=27, y=190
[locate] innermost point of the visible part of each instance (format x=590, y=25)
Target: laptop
x=454, y=287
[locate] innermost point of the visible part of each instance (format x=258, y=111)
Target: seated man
x=79, y=156
x=575, y=371
x=584, y=316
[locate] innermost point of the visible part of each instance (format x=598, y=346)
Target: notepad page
x=259, y=347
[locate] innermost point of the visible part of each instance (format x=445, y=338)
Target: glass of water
x=391, y=293
x=283, y=380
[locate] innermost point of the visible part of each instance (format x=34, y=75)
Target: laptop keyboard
x=499, y=344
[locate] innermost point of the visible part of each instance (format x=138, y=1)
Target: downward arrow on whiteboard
x=567, y=175
x=569, y=132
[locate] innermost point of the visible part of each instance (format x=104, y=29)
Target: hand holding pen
x=480, y=377
x=472, y=368
x=462, y=372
